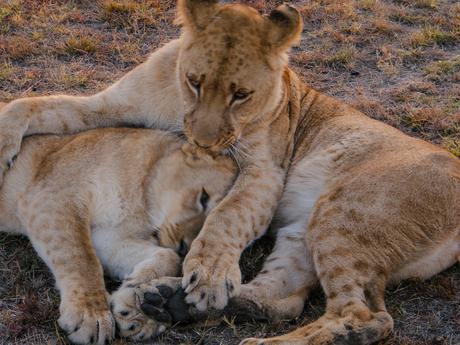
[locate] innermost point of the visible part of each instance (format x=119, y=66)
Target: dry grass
x=76, y=45
x=374, y=53
x=398, y=61
x=430, y=35
x=17, y=47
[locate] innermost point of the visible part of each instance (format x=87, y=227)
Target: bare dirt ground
x=398, y=61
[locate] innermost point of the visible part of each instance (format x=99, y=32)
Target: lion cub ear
x=195, y=14
x=283, y=28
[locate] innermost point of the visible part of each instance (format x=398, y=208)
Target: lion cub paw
x=86, y=324
x=164, y=301
x=126, y=304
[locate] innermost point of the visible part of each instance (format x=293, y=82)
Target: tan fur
x=118, y=199
x=363, y=204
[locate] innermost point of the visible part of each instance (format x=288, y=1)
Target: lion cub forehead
x=233, y=30
x=238, y=18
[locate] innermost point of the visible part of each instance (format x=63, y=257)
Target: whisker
x=230, y=150
x=245, y=144
x=241, y=151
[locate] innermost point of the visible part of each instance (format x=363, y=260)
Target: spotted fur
x=122, y=200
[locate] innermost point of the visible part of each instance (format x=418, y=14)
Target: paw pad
x=167, y=305
x=165, y=291
x=153, y=299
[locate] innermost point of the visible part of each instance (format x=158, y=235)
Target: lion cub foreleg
x=211, y=270
x=60, y=233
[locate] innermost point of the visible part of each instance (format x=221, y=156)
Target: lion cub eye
x=241, y=95
x=204, y=199
x=194, y=82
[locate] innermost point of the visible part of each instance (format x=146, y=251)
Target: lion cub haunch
x=126, y=200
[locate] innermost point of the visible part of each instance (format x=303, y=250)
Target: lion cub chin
x=129, y=201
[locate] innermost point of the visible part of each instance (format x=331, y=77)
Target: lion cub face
x=188, y=185
x=230, y=67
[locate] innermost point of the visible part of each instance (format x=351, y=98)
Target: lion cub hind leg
x=355, y=313
x=60, y=233
x=353, y=275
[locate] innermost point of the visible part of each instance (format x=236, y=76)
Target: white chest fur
x=306, y=182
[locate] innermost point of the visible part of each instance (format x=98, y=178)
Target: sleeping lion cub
x=126, y=200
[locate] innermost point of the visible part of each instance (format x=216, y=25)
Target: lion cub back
x=116, y=158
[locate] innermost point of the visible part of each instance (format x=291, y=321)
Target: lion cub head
x=188, y=184
x=230, y=67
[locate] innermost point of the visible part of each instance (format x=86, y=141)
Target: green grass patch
x=430, y=35
x=78, y=45
x=119, y=8
x=426, y=4
x=131, y=15
x=9, y=13
x=406, y=18
x=343, y=58
x=368, y=5
x=443, y=67
x=452, y=145
x=6, y=69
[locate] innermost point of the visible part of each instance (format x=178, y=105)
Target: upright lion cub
x=126, y=200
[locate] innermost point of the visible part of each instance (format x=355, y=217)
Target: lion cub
x=126, y=200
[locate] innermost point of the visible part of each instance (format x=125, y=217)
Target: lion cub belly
x=437, y=260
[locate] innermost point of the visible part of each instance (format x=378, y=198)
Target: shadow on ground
x=425, y=312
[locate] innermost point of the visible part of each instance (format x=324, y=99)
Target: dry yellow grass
x=75, y=45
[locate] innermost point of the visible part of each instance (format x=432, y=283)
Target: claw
x=98, y=327
x=11, y=161
x=192, y=283
x=159, y=331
